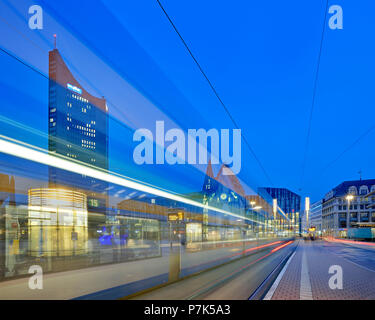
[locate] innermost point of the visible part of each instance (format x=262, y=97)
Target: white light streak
x=32, y=153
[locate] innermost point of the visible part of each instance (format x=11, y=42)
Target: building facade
x=7, y=200
x=288, y=201
x=78, y=129
x=315, y=216
x=340, y=212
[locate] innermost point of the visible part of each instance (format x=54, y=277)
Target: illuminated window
x=57, y=213
x=363, y=190
x=352, y=190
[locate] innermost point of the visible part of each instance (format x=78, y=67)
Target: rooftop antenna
x=54, y=36
x=360, y=175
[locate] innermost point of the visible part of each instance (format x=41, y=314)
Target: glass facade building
x=288, y=201
x=77, y=129
x=316, y=216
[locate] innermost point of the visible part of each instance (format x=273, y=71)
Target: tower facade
x=78, y=129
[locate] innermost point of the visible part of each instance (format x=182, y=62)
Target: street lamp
x=348, y=198
x=307, y=210
x=274, y=210
x=256, y=208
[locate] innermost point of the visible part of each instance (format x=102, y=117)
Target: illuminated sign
x=74, y=88
x=176, y=216
x=93, y=202
x=223, y=196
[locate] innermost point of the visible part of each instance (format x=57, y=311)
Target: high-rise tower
x=78, y=129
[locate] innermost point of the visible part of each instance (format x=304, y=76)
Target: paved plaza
x=307, y=274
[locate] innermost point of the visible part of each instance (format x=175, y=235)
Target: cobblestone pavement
x=289, y=286
x=358, y=282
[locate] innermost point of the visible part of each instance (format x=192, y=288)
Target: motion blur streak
x=262, y=246
x=280, y=247
x=330, y=239
x=29, y=153
x=254, y=248
x=216, y=282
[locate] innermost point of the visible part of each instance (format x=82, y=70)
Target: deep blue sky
x=261, y=57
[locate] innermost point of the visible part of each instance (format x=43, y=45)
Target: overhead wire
x=215, y=92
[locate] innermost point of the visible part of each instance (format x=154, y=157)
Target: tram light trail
x=32, y=153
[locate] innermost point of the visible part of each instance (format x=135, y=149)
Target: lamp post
x=348, y=198
x=256, y=208
x=307, y=210
x=252, y=204
x=274, y=209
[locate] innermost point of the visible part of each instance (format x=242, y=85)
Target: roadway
x=304, y=274
x=237, y=280
x=108, y=280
